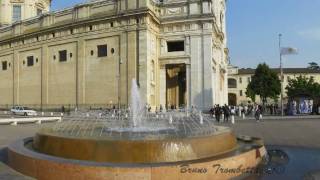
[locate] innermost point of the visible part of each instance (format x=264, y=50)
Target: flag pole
x=281, y=76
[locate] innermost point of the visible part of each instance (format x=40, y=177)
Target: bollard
x=61, y=114
x=39, y=122
x=42, y=113
x=51, y=113
x=87, y=115
x=15, y=123
x=260, y=116
x=243, y=116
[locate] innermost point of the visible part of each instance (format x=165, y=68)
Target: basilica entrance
x=176, y=85
x=232, y=99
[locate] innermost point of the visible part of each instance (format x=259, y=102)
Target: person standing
x=212, y=112
x=257, y=112
x=217, y=113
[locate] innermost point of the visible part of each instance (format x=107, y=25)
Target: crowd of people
x=226, y=113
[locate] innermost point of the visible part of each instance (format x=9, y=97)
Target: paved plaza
x=284, y=132
x=291, y=132
x=274, y=131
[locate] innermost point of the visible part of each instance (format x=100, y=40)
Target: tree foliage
x=314, y=66
x=303, y=87
x=250, y=94
x=264, y=83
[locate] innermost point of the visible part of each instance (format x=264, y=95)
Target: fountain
x=137, y=107
x=134, y=143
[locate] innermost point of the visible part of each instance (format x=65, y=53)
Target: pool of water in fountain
x=99, y=124
x=135, y=123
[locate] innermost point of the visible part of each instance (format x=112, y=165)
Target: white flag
x=288, y=51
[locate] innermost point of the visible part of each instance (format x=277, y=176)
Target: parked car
x=24, y=111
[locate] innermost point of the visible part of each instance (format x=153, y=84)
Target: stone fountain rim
x=49, y=132
x=19, y=147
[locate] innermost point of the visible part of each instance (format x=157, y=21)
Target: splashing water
x=137, y=106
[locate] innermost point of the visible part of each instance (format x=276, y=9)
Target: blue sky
x=253, y=27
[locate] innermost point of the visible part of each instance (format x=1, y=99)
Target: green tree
x=303, y=86
x=314, y=66
x=264, y=83
x=250, y=93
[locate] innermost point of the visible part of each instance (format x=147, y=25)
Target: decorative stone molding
x=173, y=11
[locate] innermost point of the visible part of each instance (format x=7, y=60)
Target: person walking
x=232, y=112
x=257, y=113
x=226, y=112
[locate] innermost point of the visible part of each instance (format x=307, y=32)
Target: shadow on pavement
x=4, y=155
x=292, y=163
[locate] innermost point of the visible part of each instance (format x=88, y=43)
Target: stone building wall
x=29, y=9
x=136, y=33
x=243, y=77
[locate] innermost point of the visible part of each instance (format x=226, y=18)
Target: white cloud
x=313, y=33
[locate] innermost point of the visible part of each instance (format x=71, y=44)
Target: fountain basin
x=23, y=158
x=149, y=149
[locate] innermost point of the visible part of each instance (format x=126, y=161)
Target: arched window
x=232, y=83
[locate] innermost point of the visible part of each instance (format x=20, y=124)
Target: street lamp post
x=119, y=87
x=281, y=75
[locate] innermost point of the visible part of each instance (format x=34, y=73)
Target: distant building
x=238, y=80
x=12, y=11
x=87, y=55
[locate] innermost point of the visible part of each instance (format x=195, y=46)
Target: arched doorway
x=176, y=85
x=232, y=99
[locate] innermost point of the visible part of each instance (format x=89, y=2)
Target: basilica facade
x=87, y=55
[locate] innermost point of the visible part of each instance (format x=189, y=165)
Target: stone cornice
x=72, y=23
x=201, y=17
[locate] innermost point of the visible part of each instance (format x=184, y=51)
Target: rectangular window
x=240, y=80
x=39, y=12
x=102, y=50
x=249, y=79
x=63, y=56
x=4, y=65
x=174, y=46
x=30, y=61
x=16, y=13
x=241, y=93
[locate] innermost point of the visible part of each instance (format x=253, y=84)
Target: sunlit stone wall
x=88, y=54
